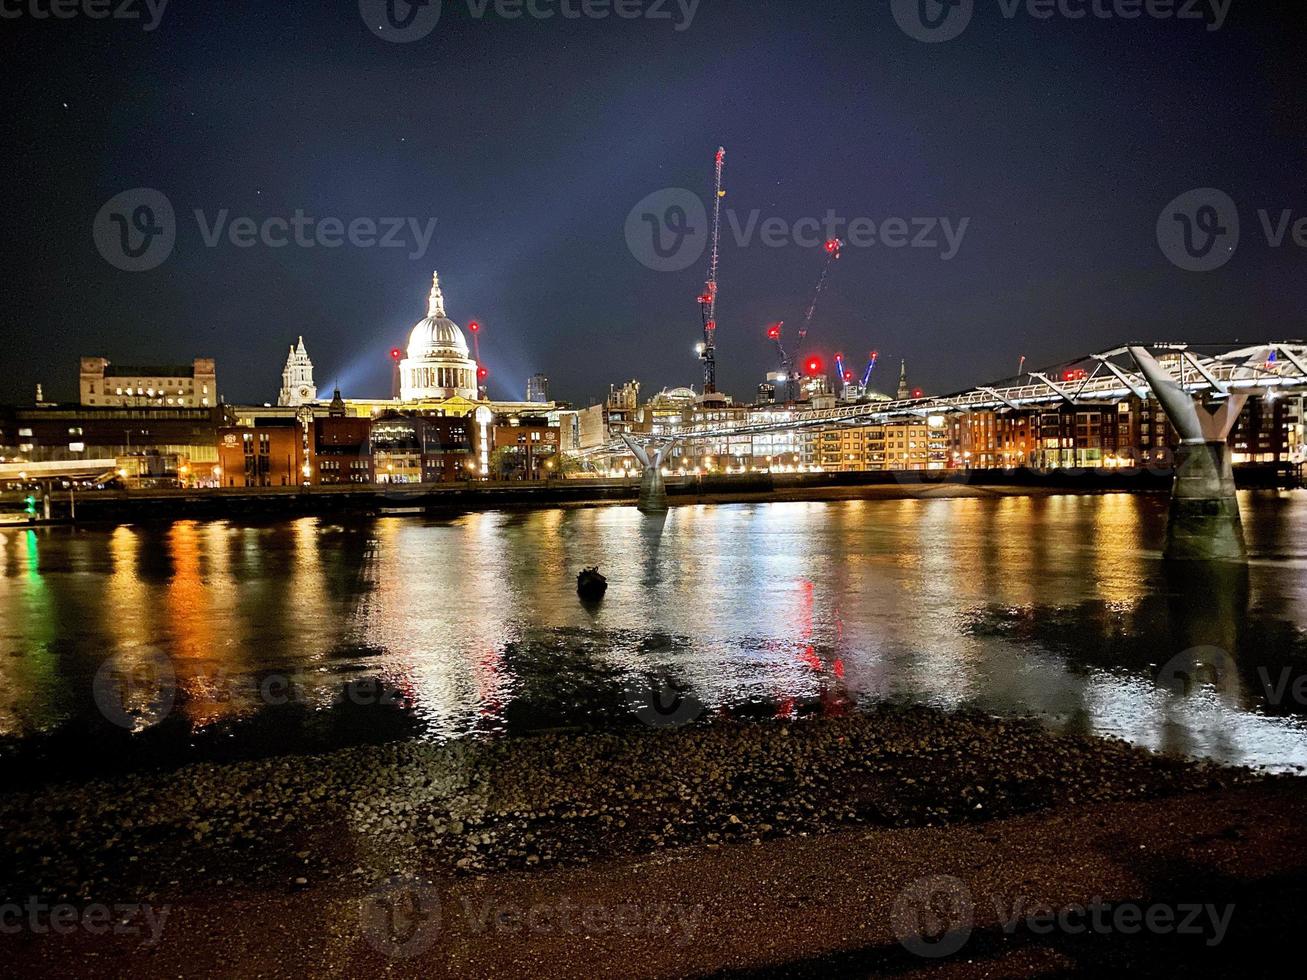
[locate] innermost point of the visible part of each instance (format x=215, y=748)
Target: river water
x=149, y=645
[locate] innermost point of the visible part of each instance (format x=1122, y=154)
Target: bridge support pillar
x=1204, y=523
x=653, y=491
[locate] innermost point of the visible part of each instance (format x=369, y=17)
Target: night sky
x=530, y=141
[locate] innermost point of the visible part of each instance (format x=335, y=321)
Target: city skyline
x=1059, y=253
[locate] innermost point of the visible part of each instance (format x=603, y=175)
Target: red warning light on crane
x=474, y=327
x=396, y=354
x=833, y=246
x=774, y=332
x=482, y=374
x=814, y=365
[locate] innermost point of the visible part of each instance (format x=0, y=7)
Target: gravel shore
x=471, y=807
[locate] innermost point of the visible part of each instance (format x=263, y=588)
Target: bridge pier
x=653, y=491
x=1204, y=522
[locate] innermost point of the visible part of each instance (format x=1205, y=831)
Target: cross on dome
x=436, y=304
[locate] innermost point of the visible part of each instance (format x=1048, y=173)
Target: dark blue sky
x=530, y=141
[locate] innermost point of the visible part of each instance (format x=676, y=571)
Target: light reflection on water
x=1058, y=607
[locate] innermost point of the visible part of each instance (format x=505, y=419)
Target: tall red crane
x=708, y=298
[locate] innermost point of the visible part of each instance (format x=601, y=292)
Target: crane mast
x=708, y=299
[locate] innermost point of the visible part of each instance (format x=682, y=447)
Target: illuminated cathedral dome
x=437, y=334
x=437, y=365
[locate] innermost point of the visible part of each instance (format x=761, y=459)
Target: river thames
x=316, y=633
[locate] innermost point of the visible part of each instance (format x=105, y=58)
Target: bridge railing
x=1271, y=366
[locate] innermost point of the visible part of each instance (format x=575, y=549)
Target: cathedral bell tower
x=297, y=387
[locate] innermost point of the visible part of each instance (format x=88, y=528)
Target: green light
x=31, y=505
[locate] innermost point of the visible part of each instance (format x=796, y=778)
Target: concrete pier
x=1204, y=521
x=653, y=491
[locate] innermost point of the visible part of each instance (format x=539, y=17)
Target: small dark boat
x=590, y=585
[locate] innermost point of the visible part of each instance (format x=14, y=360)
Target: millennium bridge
x=1202, y=389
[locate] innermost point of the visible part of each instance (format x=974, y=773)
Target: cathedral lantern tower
x=297, y=387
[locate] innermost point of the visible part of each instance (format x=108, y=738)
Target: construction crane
x=871, y=366
x=833, y=248
x=707, y=350
x=482, y=373
x=788, y=374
